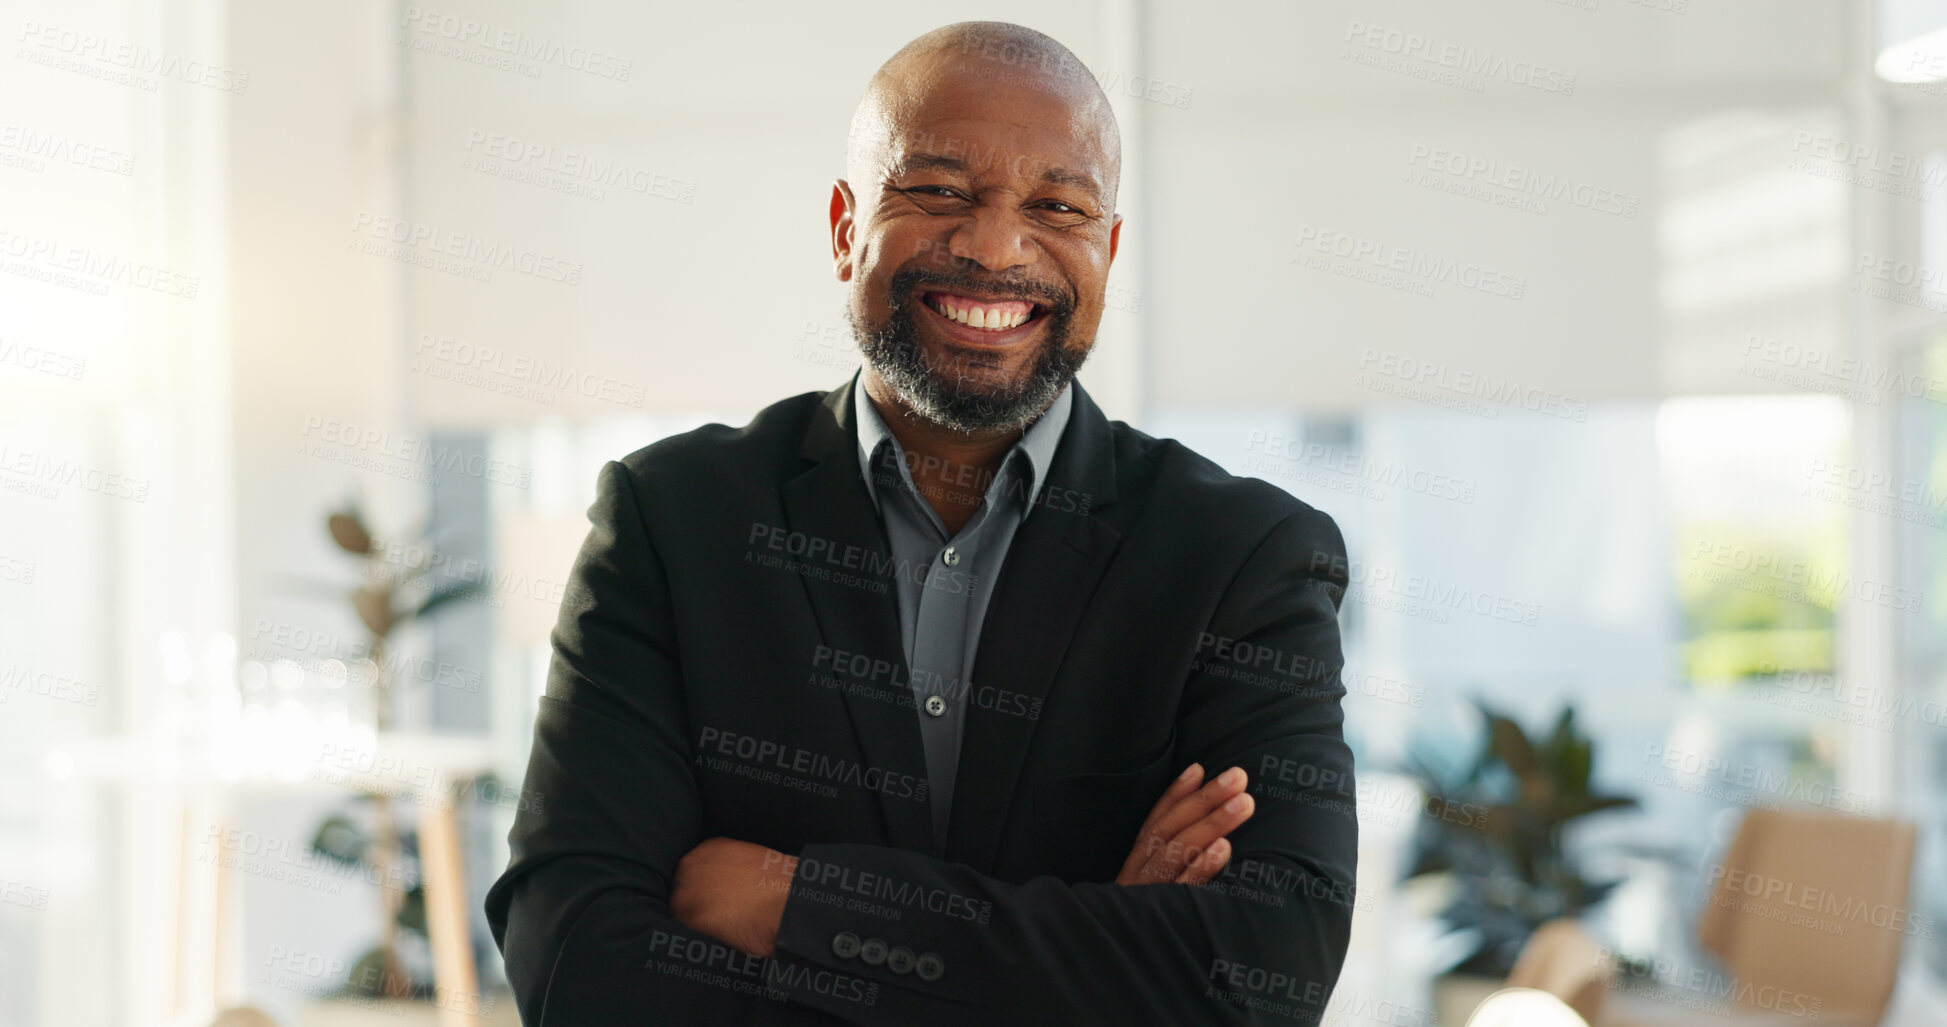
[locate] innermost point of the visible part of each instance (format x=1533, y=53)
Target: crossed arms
x=604, y=878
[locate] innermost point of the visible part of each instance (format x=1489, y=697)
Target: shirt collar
x=1036, y=446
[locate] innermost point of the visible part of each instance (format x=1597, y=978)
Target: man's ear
x=842, y=224
x=1115, y=237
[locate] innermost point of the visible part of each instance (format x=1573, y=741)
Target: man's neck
x=951, y=470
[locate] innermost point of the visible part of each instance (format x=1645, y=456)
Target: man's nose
x=994, y=238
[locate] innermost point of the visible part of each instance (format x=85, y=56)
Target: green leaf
x=1577, y=760
x=340, y=840
x=412, y=910
x=1586, y=804
x=371, y=973
x=442, y=596
x=1511, y=745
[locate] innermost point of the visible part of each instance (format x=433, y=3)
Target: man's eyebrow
x=916, y=162
x=913, y=162
x=1063, y=176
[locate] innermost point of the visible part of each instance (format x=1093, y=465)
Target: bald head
x=980, y=56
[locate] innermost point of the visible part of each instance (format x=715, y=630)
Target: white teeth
x=976, y=317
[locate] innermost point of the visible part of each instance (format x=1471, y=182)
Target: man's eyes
x=1064, y=214
x=949, y=193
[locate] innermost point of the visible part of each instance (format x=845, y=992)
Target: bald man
x=939, y=698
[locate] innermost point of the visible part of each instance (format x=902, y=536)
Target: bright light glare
x=1917, y=60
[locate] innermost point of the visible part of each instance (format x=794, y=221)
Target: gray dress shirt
x=940, y=618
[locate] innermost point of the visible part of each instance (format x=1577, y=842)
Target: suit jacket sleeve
x=582, y=909
x=1262, y=943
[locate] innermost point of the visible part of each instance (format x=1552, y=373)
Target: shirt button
x=935, y=705
x=951, y=557
x=929, y=967
x=845, y=944
x=900, y=960
x=873, y=952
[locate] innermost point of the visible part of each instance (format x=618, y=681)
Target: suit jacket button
x=900, y=960
x=930, y=967
x=845, y=944
x=873, y=952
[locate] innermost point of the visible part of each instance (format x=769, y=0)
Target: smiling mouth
x=987, y=315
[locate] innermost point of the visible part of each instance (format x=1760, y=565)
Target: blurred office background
x=1610, y=331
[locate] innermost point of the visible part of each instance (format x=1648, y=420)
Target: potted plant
x=399, y=587
x=1504, y=860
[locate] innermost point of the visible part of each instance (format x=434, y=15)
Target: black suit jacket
x=728, y=661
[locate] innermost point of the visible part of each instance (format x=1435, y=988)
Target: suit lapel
x=1045, y=584
x=829, y=502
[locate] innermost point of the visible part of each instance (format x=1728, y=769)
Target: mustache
x=911, y=281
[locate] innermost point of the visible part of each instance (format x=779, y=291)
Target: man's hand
x=1183, y=839
x=734, y=892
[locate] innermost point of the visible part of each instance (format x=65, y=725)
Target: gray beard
x=945, y=397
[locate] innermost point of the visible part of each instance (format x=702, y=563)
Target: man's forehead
x=1017, y=129
x=955, y=86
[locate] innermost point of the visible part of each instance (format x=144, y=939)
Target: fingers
x=1199, y=804
x=1170, y=860
x=1184, y=784
x=1177, y=833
